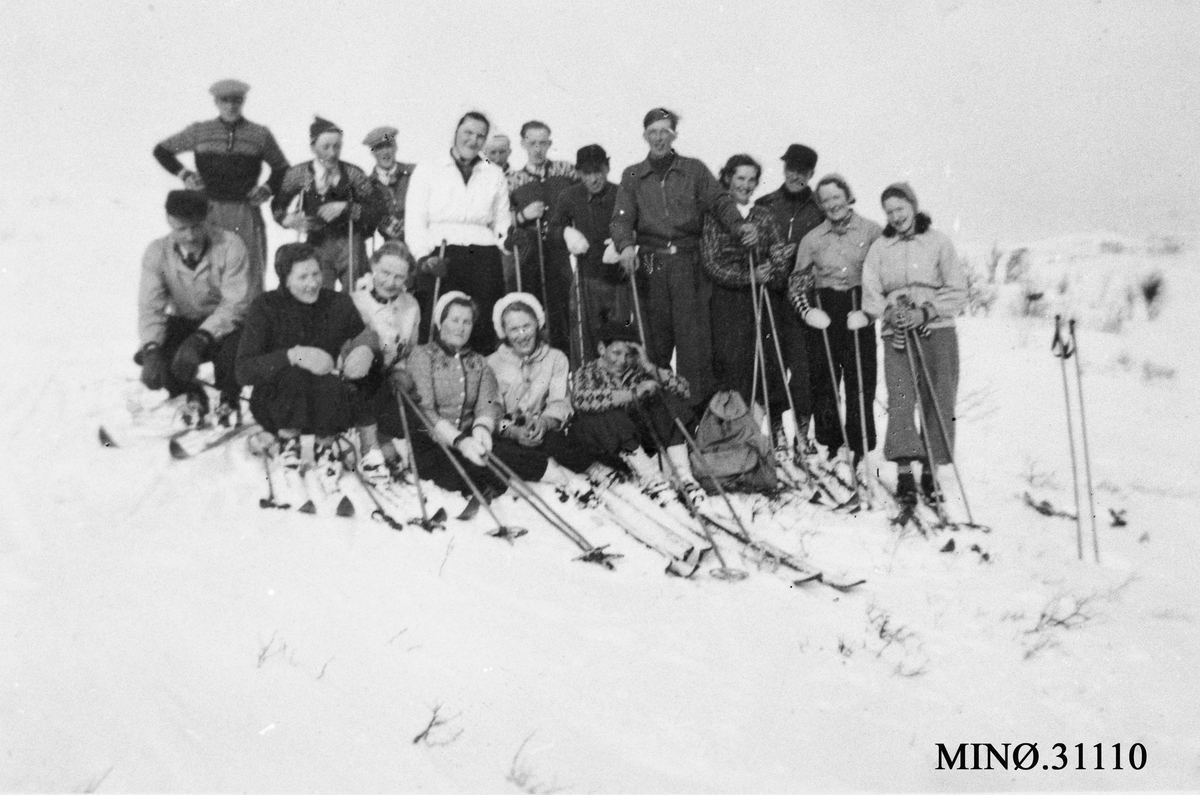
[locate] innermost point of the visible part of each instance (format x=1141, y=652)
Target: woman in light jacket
x=913, y=281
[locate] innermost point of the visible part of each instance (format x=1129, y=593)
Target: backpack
x=731, y=447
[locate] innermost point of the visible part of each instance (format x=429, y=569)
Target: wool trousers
x=676, y=296
x=939, y=351
x=246, y=221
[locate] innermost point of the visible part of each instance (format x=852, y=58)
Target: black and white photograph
x=552, y=397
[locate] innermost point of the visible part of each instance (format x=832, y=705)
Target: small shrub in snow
x=1152, y=371
x=1152, y=286
x=1165, y=245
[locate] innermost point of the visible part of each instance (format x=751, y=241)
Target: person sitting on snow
x=301, y=346
x=458, y=393
x=533, y=381
x=191, y=303
x=625, y=405
x=390, y=311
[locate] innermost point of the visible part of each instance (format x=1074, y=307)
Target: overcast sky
x=1017, y=120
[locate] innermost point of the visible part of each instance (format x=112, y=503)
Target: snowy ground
x=162, y=632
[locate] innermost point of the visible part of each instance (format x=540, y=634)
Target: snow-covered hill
x=162, y=632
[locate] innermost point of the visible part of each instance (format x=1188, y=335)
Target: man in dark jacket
x=391, y=178
x=228, y=155
x=580, y=219
x=656, y=228
x=534, y=191
x=797, y=212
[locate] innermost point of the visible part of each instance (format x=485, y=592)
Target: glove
x=628, y=259
x=259, y=195
x=611, y=257
x=434, y=265
x=472, y=450
x=483, y=436
x=191, y=180
x=315, y=360
x=446, y=431
x=357, y=363
x=909, y=317
x=154, y=365
x=817, y=318
x=532, y=211
x=577, y=244
x=190, y=354
x=402, y=381
x=857, y=319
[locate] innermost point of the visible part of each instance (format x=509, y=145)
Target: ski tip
x=681, y=568
x=105, y=438
x=345, y=507
x=177, y=451
x=308, y=507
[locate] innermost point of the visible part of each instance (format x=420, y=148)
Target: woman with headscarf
x=824, y=288
x=459, y=395
x=728, y=262
x=301, y=346
x=533, y=382
x=913, y=281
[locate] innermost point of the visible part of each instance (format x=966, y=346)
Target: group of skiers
x=534, y=315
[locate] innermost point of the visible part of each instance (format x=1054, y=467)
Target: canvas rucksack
x=731, y=447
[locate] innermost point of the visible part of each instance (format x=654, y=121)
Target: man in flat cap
x=534, y=190
x=391, y=178
x=580, y=218
x=797, y=211
x=192, y=300
x=333, y=204
x=228, y=153
x=656, y=227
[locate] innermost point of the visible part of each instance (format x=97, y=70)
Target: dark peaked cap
x=800, y=157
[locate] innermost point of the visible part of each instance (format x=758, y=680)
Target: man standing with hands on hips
x=228, y=154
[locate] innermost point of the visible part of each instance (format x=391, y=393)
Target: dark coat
x=276, y=321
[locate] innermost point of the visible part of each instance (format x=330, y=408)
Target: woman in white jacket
x=460, y=199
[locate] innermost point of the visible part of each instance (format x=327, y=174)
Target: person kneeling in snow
x=199, y=273
x=301, y=346
x=625, y=406
x=533, y=381
x=390, y=311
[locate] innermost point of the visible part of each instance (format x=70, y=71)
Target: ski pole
x=786, y=390
x=509, y=534
x=637, y=305
x=578, y=308
x=591, y=553
x=437, y=282
x=837, y=398
x=517, y=266
x=1063, y=350
x=427, y=523
x=542, y=271
x=930, y=463
x=1087, y=458
x=759, y=352
x=862, y=401
x=350, y=254
x=941, y=423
